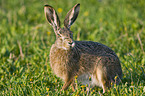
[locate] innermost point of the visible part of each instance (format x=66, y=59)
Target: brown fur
x=69, y=58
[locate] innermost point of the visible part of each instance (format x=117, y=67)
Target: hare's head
x=64, y=37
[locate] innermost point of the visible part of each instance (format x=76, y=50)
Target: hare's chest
x=58, y=60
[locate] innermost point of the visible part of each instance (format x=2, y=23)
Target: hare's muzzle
x=72, y=44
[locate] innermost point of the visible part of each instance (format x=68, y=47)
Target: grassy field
x=26, y=38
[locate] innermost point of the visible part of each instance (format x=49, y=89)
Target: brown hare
x=69, y=58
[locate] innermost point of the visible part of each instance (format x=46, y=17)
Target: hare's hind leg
x=101, y=78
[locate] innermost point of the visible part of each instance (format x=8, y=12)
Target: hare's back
x=95, y=48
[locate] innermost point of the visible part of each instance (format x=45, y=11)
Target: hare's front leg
x=72, y=84
x=68, y=81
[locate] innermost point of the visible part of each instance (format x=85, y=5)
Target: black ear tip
x=47, y=6
x=78, y=4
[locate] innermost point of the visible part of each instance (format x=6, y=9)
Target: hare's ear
x=52, y=17
x=71, y=16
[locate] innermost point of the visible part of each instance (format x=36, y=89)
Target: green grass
x=26, y=38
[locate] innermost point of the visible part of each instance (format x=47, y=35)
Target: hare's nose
x=70, y=43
